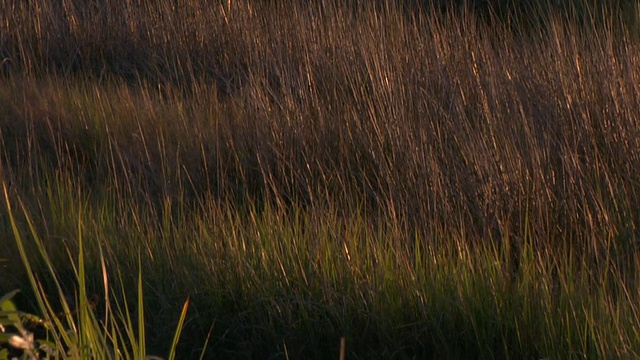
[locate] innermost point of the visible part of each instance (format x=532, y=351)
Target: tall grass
x=77, y=333
x=423, y=183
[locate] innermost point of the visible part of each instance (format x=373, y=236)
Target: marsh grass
x=420, y=183
x=77, y=332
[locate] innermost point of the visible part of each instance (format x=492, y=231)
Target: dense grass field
x=411, y=181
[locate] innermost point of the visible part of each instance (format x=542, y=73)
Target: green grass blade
x=176, y=336
x=206, y=343
x=21, y=249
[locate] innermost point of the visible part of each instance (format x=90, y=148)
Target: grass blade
x=176, y=337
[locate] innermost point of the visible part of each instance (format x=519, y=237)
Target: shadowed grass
x=424, y=184
x=76, y=333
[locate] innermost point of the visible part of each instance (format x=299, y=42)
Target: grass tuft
x=412, y=179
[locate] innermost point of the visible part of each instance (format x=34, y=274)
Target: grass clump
x=76, y=332
x=420, y=182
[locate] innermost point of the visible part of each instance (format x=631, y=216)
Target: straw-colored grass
x=418, y=182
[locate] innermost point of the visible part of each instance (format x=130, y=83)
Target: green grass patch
x=365, y=180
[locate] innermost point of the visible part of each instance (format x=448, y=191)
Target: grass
x=76, y=332
x=418, y=183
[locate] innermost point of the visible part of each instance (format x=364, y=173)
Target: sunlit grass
x=419, y=184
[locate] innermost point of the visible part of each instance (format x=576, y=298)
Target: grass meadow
x=322, y=179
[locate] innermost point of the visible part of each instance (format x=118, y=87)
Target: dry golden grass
x=433, y=132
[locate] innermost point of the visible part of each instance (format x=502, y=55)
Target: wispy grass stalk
x=438, y=182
